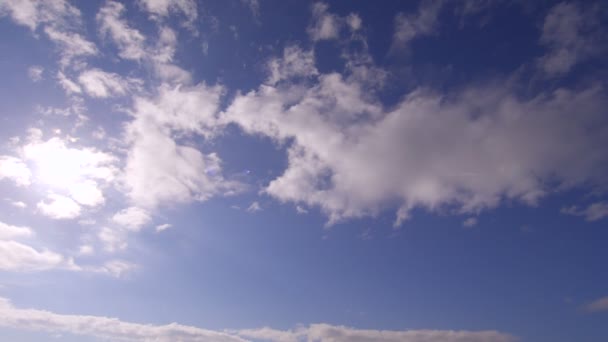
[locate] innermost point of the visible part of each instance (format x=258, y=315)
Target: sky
x=284, y=171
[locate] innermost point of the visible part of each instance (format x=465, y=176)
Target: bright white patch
x=87, y=193
x=15, y=169
x=132, y=218
x=76, y=171
x=59, y=207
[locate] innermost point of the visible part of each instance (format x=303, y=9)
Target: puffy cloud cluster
x=464, y=151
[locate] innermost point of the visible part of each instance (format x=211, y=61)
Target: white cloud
x=467, y=150
x=112, y=239
x=8, y=231
x=301, y=210
x=572, y=35
x=71, y=45
x=411, y=26
x=254, y=207
x=331, y=333
x=132, y=218
x=324, y=25
x=15, y=256
x=598, y=305
x=86, y=250
x=19, y=204
x=117, y=330
x=32, y=13
x=354, y=22
x=129, y=41
x=294, y=63
x=59, y=207
x=104, y=327
x=15, y=169
x=116, y=268
x=593, y=212
x=35, y=73
x=87, y=193
x=470, y=222
x=158, y=169
x=68, y=85
x=163, y=227
x=98, y=83
x=159, y=9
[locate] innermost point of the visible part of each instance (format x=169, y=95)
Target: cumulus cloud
x=593, y=212
x=159, y=170
x=464, y=151
x=572, y=34
x=132, y=218
x=15, y=169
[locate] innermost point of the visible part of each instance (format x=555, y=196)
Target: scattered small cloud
x=598, y=305
x=593, y=212
x=163, y=227
x=470, y=222
x=35, y=73
x=254, y=207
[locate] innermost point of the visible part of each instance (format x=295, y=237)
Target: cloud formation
x=117, y=330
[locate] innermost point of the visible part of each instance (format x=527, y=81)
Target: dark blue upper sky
x=303, y=171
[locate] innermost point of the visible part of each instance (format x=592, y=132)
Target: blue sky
x=180, y=170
